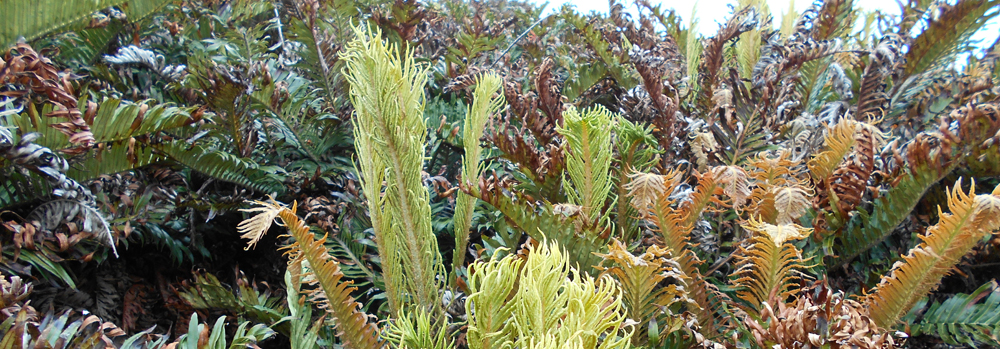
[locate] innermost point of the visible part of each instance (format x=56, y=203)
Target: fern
x=387, y=91
x=35, y=19
x=947, y=34
x=767, y=269
x=220, y=165
x=962, y=319
x=553, y=301
x=114, y=158
x=641, y=278
x=588, y=159
x=332, y=293
x=484, y=105
x=943, y=246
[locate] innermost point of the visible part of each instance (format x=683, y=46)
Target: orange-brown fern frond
x=769, y=267
x=943, y=245
x=331, y=292
x=642, y=280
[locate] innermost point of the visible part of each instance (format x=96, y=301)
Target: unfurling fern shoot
x=387, y=91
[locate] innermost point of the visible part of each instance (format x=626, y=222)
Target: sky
x=712, y=14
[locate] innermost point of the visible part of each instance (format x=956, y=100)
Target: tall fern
x=387, y=91
x=483, y=105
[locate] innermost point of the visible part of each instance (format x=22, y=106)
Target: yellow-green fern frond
x=484, y=104
x=387, y=91
x=943, y=245
x=645, y=298
x=552, y=303
x=770, y=266
x=331, y=292
x=414, y=328
x=588, y=159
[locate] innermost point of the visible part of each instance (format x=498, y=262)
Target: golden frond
x=736, y=181
x=769, y=266
x=840, y=139
x=641, y=279
x=943, y=246
x=645, y=188
x=331, y=292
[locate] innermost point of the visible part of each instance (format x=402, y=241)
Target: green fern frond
x=962, y=319
x=114, y=158
x=220, y=165
x=588, y=158
x=34, y=19
x=947, y=34
x=484, y=105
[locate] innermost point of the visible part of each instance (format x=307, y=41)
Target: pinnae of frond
x=253, y=228
x=779, y=234
x=645, y=188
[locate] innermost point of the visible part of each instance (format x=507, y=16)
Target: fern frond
x=542, y=221
x=640, y=277
x=944, y=244
x=790, y=203
x=588, y=158
x=387, y=91
x=767, y=269
x=333, y=293
x=552, y=299
x=220, y=165
x=947, y=33
x=840, y=140
x=484, y=105
x=962, y=319
x=114, y=158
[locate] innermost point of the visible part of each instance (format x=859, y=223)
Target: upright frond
x=588, y=159
x=767, y=269
x=484, y=104
x=387, y=91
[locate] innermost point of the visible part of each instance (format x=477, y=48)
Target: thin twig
x=519, y=37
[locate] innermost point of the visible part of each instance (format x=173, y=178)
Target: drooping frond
x=588, y=158
x=943, y=245
x=387, y=91
x=962, y=319
x=767, y=269
x=484, y=105
x=331, y=293
x=736, y=183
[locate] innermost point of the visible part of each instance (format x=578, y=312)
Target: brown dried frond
x=713, y=55
x=818, y=318
x=872, y=99
x=23, y=67
x=645, y=189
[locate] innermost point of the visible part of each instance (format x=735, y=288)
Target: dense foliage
x=450, y=174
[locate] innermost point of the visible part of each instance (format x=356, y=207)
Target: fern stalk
x=387, y=92
x=483, y=105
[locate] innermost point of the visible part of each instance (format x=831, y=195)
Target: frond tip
x=253, y=228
